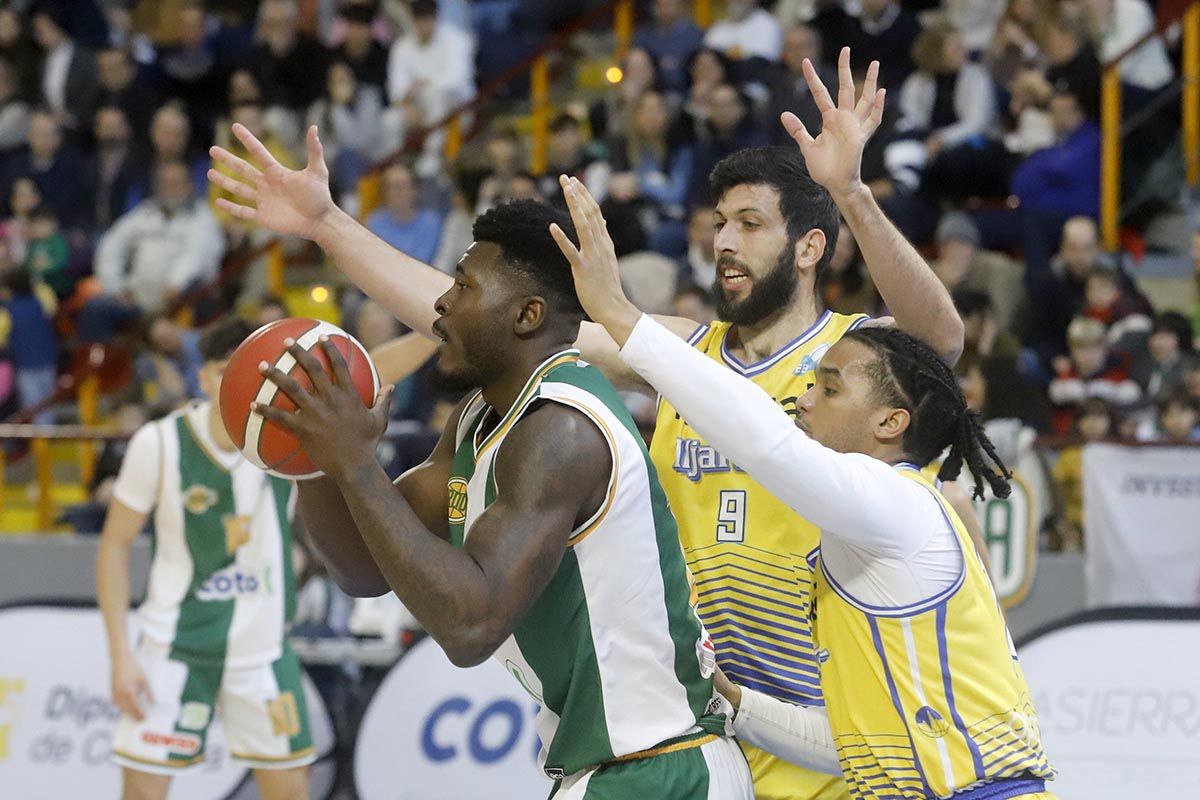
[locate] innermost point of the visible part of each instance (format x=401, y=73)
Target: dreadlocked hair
x=909, y=374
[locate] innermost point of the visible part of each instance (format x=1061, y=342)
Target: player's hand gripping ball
x=265, y=443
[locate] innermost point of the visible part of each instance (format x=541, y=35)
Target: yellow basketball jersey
x=748, y=552
x=928, y=699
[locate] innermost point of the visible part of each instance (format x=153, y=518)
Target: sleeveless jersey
x=930, y=699
x=612, y=650
x=747, y=550
x=221, y=587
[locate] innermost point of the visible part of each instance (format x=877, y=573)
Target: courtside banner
x=434, y=731
x=1141, y=508
x=57, y=721
x=1118, y=698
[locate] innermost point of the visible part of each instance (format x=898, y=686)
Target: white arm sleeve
x=137, y=482
x=799, y=734
x=851, y=495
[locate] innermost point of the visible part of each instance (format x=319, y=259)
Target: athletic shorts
x=713, y=770
x=262, y=711
x=776, y=779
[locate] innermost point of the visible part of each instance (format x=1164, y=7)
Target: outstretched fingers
x=316, y=152
x=795, y=129
x=817, y=87
x=256, y=148
x=867, y=100
x=845, y=80
x=233, y=185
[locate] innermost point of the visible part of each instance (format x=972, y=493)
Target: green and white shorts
x=261, y=709
x=698, y=767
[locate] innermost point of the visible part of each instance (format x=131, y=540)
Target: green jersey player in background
x=536, y=533
x=218, y=600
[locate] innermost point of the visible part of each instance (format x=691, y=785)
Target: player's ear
x=809, y=249
x=531, y=316
x=892, y=424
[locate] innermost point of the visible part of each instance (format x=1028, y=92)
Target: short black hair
x=1177, y=396
x=521, y=228
x=424, y=8
x=1178, y=324
x=222, y=337
x=969, y=302
x=909, y=374
x=804, y=203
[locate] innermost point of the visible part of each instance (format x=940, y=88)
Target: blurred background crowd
x=989, y=159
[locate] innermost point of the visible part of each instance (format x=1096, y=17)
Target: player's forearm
x=443, y=586
x=112, y=592
x=334, y=535
x=400, y=283
x=917, y=299
x=799, y=734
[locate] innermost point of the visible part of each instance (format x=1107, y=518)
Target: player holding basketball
x=536, y=533
x=923, y=693
x=219, y=597
x=777, y=221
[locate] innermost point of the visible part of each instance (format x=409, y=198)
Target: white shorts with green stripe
x=262, y=711
x=716, y=770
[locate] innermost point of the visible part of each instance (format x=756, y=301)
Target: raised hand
x=287, y=201
x=594, y=263
x=834, y=157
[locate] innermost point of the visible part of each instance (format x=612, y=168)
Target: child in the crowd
x=1093, y=422
x=1092, y=370
x=47, y=253
x=1177, y=420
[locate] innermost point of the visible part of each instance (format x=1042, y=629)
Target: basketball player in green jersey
x=536, y=533
x=218, y=602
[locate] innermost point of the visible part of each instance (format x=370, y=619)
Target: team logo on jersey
x=931, y=723
x=809, y=362
x=194, y=716
x=227, y=583
x=237, y=531
x=457, y=489
x=706, y=654
x=285, y=717
x=198, y=498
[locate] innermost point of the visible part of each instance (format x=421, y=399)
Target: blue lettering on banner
x=479, y=750
x=435, y=751
x=439, y=745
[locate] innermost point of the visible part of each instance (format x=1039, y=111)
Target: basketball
x=265, y=444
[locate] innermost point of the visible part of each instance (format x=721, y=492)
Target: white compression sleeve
x=799, y=734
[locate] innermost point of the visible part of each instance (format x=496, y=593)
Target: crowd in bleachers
x=988, y=158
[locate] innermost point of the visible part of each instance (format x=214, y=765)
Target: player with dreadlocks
x=923, y=693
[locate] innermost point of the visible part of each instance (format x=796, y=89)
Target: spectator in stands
x=1177, y=420
x=883, y=32
x=132, y=89
x=288, y=62
x=789, y=88
x=114, y=168
x=18, y=49
x=172, y=361
x=55, y=168
x=731, y=128
x=192, y=72
x=694, y=303
x=68, y=77
x=1191, y=378
x=609, y=117
x=1093, y=422
x=1091, y=370
x=1029, y=98
x=567, y=154
x=250, y=115
x=699, y=266
x=401, y=222
x=707, y=70
x=1104, y=299
x=32, y=343
x=170, y=141
x=961, y=264
x=348, y=117
x=434, y=63
x=1015, y=46
x=23, y=198
x=670, y=39
x=947, y=108
x=663, y=173
x=1118, y=25
x=365, y=55
x=47, y=253
x=152, y=254
x=1160, y=366
x=1072, y=61
x=750, y=37
x=271, y=308
x=14, y=112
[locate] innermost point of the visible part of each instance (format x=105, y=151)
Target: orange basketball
x=265, y=443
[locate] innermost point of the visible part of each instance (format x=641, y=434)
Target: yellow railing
x=1188, y=13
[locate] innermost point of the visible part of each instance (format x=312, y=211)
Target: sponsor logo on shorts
x=198, y=498
x=285, y=716
x=180, y=743
x=227, y=583
x=194, y=716
x=457, y=489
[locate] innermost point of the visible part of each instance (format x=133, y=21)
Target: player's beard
x=769, y=294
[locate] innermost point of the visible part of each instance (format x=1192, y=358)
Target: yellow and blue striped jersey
x=929, y=699
x=747, y=550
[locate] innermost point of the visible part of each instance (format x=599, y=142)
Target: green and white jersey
x=612, y=651
x=221, y=587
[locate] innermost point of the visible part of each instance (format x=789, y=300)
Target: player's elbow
x=471, y=644
x=361, y=584
x=947, y=339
